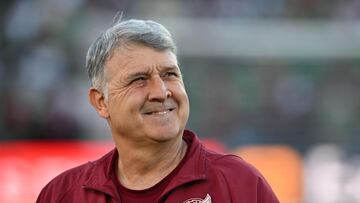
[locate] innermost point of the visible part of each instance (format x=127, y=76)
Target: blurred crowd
x=43, y=83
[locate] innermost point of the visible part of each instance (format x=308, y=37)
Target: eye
x=138, y=79
x=171, y=74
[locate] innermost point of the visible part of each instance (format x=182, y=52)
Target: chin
x=163, y=135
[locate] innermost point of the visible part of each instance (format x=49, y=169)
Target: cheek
x=126, y=101
x=181, y=92
x=181, y=96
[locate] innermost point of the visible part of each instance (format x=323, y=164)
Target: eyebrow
x=140, y=73
x=172, y=67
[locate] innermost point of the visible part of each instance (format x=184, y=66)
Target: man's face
x=147, y=100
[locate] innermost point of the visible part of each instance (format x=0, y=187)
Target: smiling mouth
x=159, y=112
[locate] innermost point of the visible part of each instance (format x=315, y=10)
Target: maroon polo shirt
x=202, y=176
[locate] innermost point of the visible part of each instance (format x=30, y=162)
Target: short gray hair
x=146, y=32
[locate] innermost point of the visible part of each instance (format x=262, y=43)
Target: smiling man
x=137, y=87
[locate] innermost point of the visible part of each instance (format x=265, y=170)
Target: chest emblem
x=207, y=199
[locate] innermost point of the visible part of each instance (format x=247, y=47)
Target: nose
x=158, y=90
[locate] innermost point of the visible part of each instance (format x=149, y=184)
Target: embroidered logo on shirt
x=207, y=199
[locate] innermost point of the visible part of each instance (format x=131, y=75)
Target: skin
x=147, y=109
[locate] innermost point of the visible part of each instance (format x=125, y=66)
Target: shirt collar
x=194, y=168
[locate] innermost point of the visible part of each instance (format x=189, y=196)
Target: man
x=138, y=88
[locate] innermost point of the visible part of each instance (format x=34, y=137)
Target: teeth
x=160, y=112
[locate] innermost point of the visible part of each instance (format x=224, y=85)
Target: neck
x=142, y=167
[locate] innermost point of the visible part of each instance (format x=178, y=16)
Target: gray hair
x=146, y=32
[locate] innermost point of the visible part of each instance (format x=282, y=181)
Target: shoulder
x=64, y=182
x=70, y=180
x=229, y=163
x=238, y=175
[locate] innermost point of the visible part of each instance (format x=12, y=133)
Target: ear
x=97, y=100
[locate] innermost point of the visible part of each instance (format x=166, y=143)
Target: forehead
x=137, y=57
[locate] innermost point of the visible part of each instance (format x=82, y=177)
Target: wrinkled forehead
x=139, y=57
x=128, y=48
